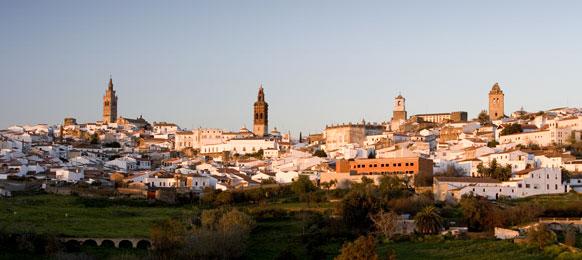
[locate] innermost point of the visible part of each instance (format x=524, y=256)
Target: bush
x=364, y=248
x=540, y=236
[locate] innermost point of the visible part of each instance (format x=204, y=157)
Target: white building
x=70, y=175
x=165, y=128
x=241, y=146
x=529, y=182
x=199, y=137
x=124, y=164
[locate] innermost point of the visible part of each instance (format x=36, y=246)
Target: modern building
x=496, y=103
x=261, y=115
x=110, y=104
x=355, y=170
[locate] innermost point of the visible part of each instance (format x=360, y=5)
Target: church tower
x=261, y=115
x=496, y=103
x=399, y=112
x=110, y=104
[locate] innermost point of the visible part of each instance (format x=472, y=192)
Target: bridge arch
x=107, y=243
x=90, y=242
x=125, y=244
x=73, y=245
x=143, y=244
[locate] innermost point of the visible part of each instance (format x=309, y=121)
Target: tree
x=483, y=117
x=474, y=210
x=224, y=198
x=453, y=171
x=358, y=204
x=302, y=185
x=385, y=223
x=112, y=145
x=364, y=248
x=570, y=235
x=511, y=129
x=168, y=238
x=391, y=186
x=495, y=171
x=222, y=235
x=319, y=153
x=492, y=144
x=541, y=236
x=94, y=138
x=428, y=221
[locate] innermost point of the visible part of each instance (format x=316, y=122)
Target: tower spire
x=110, y=82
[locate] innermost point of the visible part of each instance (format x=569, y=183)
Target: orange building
x=354, y=170
x=403, y=165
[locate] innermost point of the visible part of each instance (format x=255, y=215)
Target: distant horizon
x=199, y=64
x=470, y=115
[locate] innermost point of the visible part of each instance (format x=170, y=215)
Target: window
x=527, y=186
x=556, y=186
x=411, y=164
x=547, y=186
x=399, y=164
x=406, y=164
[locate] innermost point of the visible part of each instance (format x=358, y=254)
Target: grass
x=270, y=239
x=68, y=216
x=71, y=216
x=461, y=249
x=548, y=200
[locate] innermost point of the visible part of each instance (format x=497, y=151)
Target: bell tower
x=496, y=103
x=399, y=111
x=261, y=114
x=110, y=104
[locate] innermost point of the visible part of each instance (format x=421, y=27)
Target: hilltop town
x=433, y=159
x=136, y=158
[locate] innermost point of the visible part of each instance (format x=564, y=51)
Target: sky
x=200, y=63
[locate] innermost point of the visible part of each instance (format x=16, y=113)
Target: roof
x=466, y=179
x=526, y=171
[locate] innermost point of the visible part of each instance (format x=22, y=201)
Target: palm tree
x=428, y=221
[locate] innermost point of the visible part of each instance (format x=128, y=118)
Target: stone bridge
x=141, y=243
x=560, y=223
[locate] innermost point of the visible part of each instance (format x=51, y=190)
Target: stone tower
x=110, y=104
x=399, y=112
x=496, y=103
x=261, y=115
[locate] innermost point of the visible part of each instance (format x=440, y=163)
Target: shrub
x=363, y=248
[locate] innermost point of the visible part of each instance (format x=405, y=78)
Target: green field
x=462, y=249
x=269, y=239
x=69, y=216
x=76, y=217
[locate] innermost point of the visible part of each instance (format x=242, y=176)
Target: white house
x=124, y=164
x=286, y=177
x=70, y=175
x=526, y=183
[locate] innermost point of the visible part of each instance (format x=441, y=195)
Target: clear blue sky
x=199, y=63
